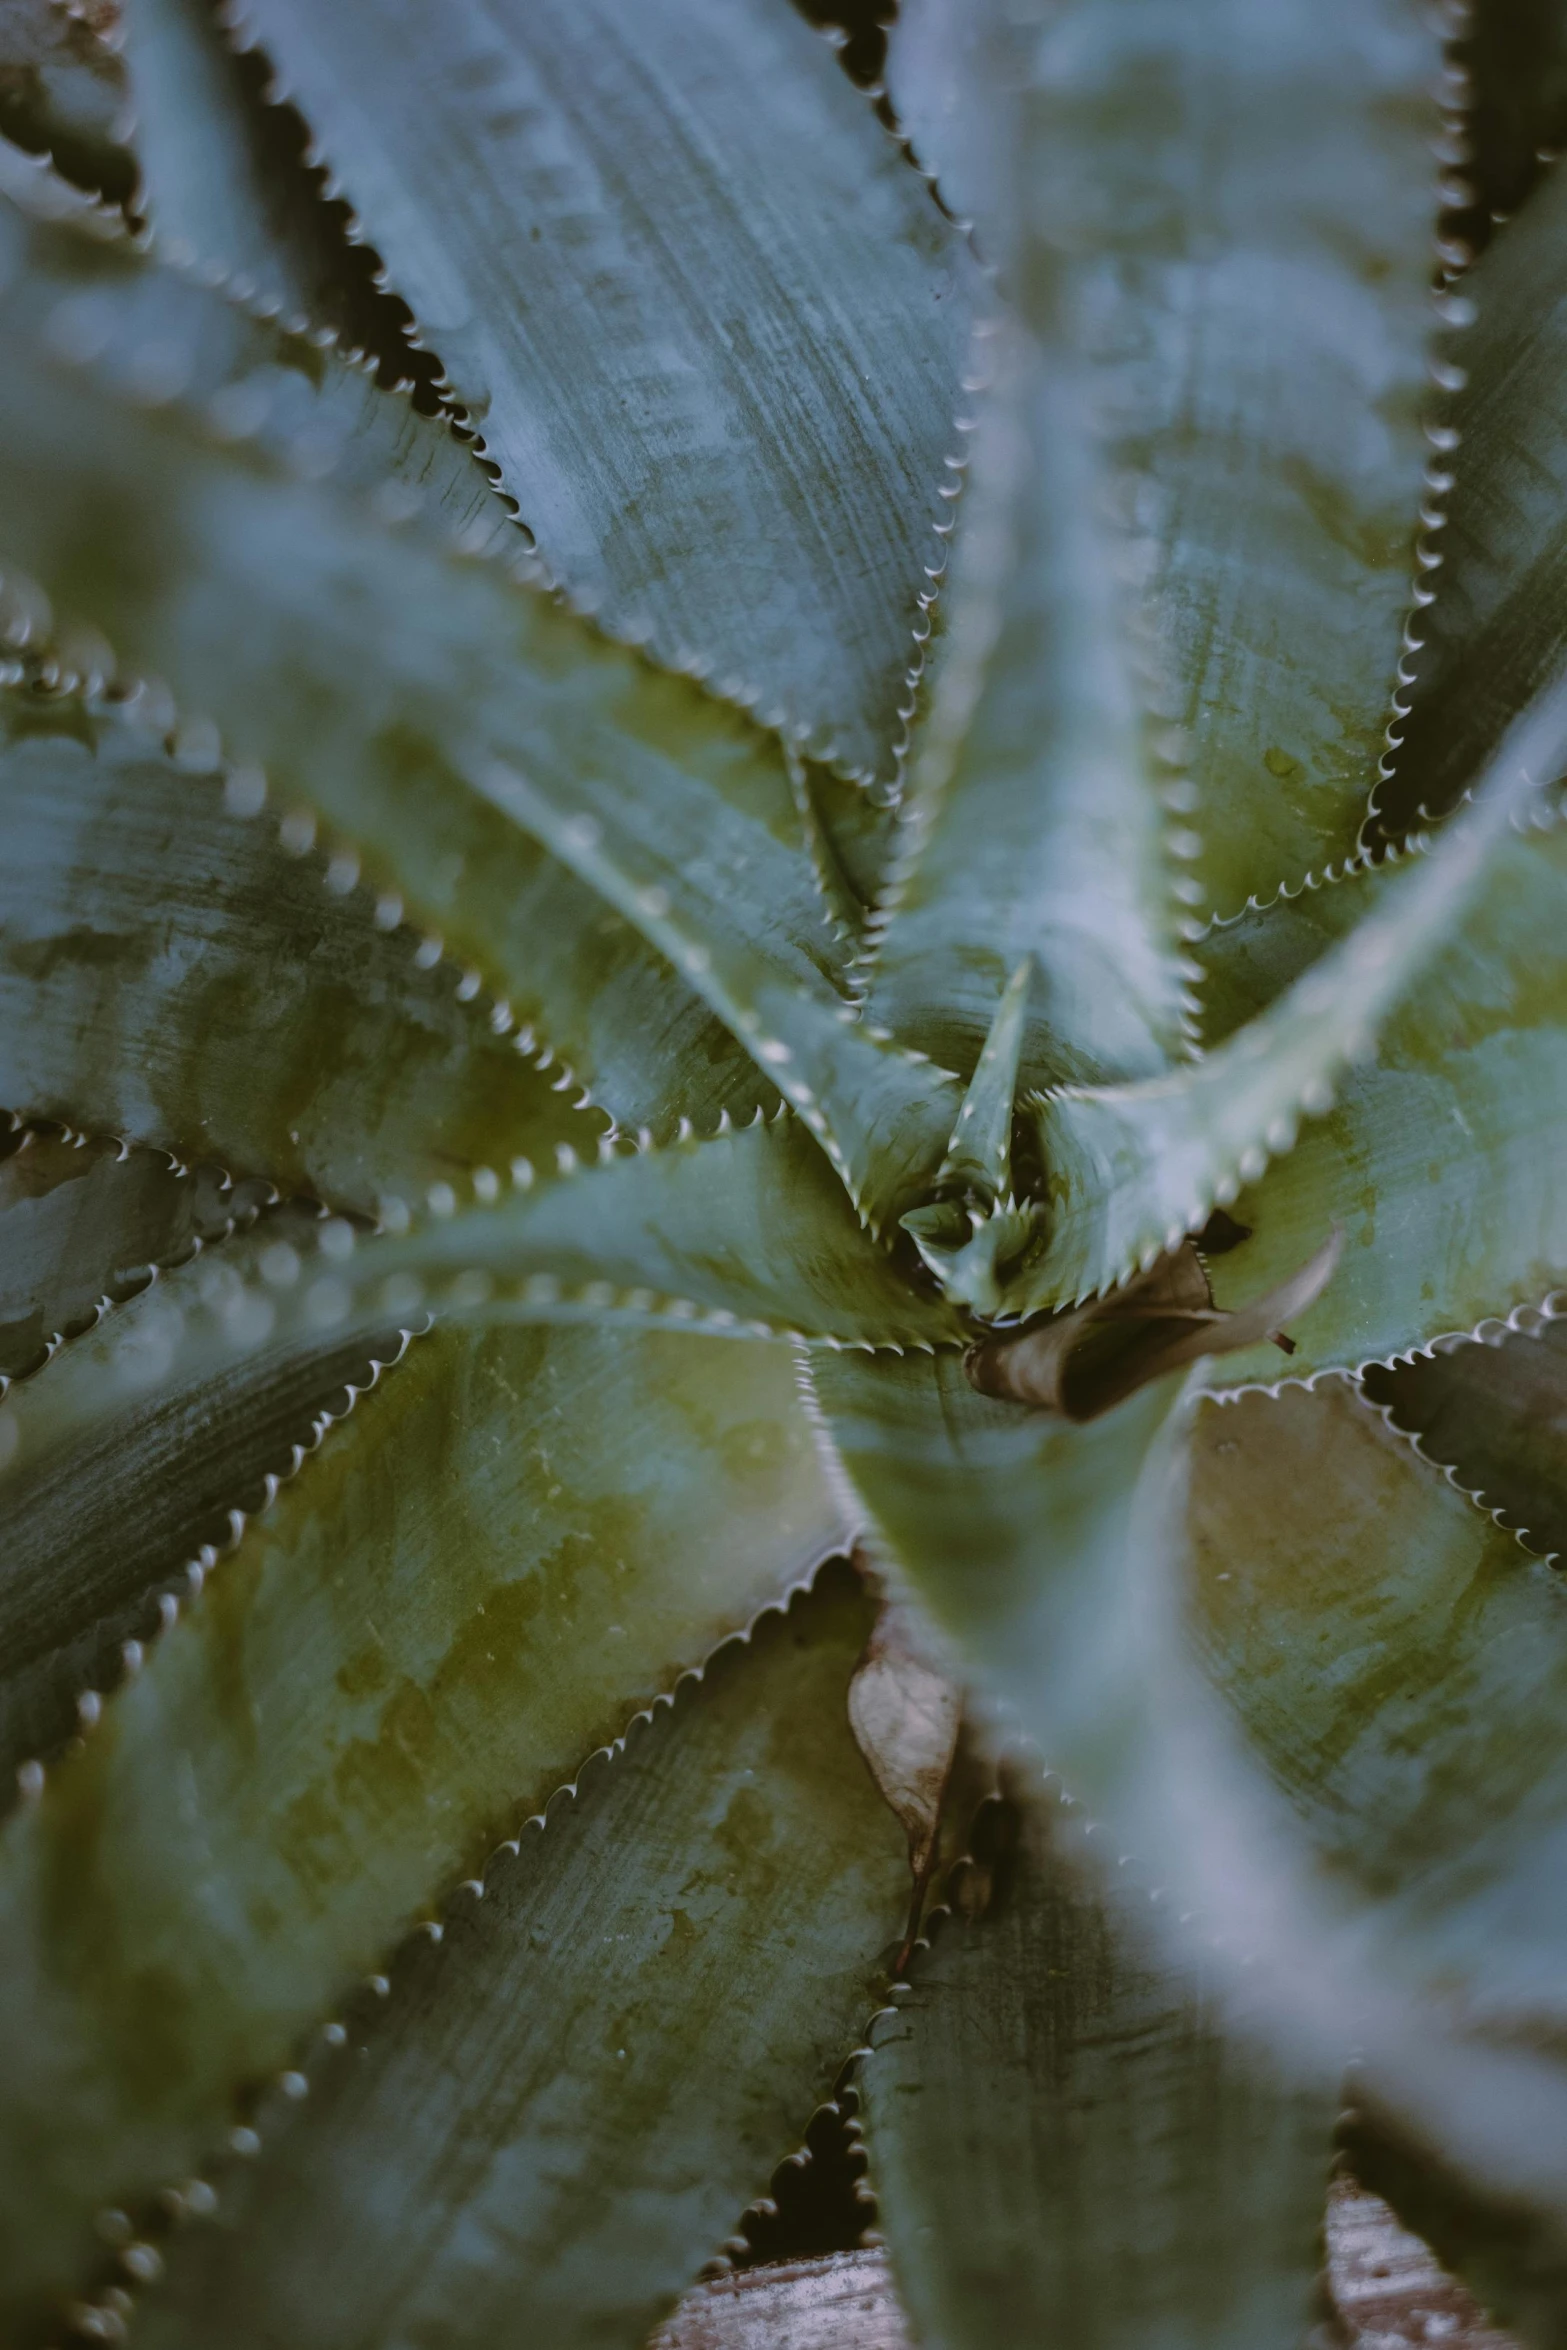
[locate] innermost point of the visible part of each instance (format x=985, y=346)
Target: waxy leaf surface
x=693, y=298
x=518, y=1539
x=261, y=1016
x=561, y=2106
x=1067, y=2138
x=1240, y=201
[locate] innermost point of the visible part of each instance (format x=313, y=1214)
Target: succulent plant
x=591, y=1027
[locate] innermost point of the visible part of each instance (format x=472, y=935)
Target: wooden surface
x=1388, y=2289
x=845, y=2302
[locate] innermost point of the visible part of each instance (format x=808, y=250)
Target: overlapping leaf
x=1133, y=1168
x=1398, y=1666
x=1242, y=202
x=1495, y=1414
x=561, y=2105
x=1515, y=63
x=693, y=298
x=83, y=1222
x=222, y=186
x=1438, y=1162
x=1032, y=829
x=1492, y=630
x=1013, y=1526
x=264, y=1016
x=1068, y=2138
x=516, y=1540
x=429, y=707
x=62, y=92
x=140, y=1506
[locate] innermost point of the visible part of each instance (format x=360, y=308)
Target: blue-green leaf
x=1437, y=1162
x=83, y=1222
x=517, y=1540
x=220, y=185
x=1397, y=1665
x=1131, y=1169
x=62, y=93
x=96, y=1535
x=1495, y=1415
x=1012, y=1525
x=169, y=971
x=708, y=322
x=1494, y=610
x=560, y=2106
x=1068, y=2139
x=1032, y=827
x=376, y=679
x=1241, y=199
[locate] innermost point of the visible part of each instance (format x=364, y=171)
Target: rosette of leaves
x=631, y=1079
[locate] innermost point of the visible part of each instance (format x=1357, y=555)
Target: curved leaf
x=157, y=333
x=515, y=1542
x=1012, y=1525
x=83, y=1222
x=1438, y=1164
x=1241, y=200
x=747, y=1236
x=428, y=707
x=599, y=199
x=1132, y=1169
x=1494, y=618
x=262, y=1014
x=1495, y=1414
x=1398, y=1665
x=89, y=1535
x=1032, y=829
x=560, y=2105
x=62, y=91
x=221, y=184
x=1067, y=2138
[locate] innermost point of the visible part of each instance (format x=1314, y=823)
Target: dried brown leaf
x=904, y=1712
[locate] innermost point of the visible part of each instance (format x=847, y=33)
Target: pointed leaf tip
x=979, y=1156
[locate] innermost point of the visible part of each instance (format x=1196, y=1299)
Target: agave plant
x=652, y=1031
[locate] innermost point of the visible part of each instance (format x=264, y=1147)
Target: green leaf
x=1012, y=1525
x=1495, y=606
x=157, y=332
x=82, y=1222
x=561, y=2105
x=429, y=707
x=745, y=1222
x=511, y=1545
x=219, y=185
x=265, y=1015
x=150, y=1499
x=1032, y=829
x=1067, y=2141
x=1131, y=1169
x=62, y=92
x=1398, y=1666
x=694, y=205
x=1438, y=1162
x=1496, y=1416
x=1240, y=201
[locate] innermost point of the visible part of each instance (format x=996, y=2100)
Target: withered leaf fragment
x=1084, y=1361
x=904, y=1712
